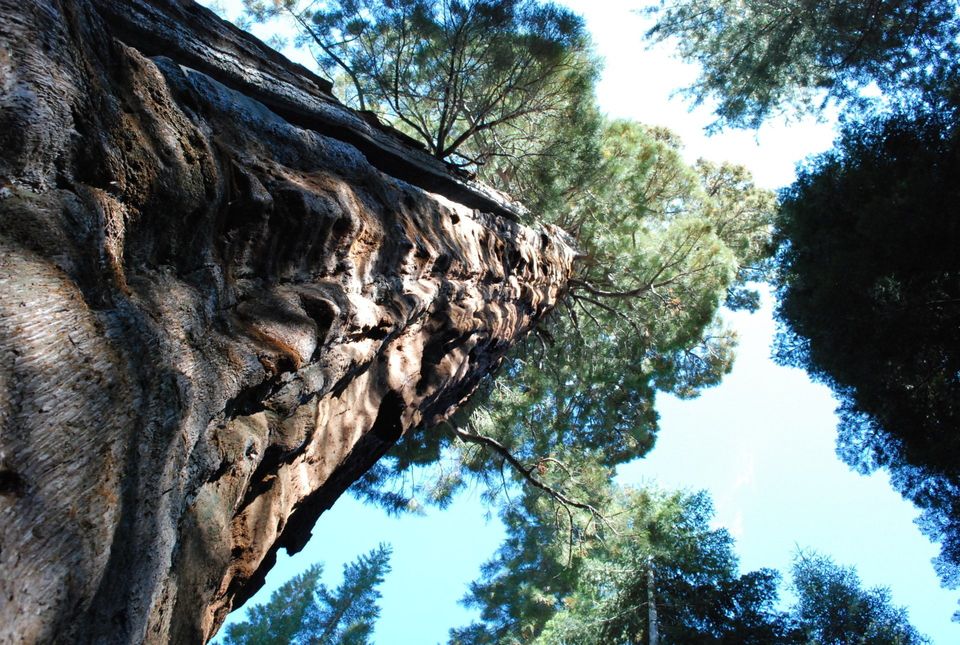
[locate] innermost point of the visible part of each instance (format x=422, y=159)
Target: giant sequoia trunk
x=222, y=297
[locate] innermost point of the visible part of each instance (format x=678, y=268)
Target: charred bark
x=223, y=296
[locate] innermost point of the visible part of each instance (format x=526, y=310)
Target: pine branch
x=526, y=473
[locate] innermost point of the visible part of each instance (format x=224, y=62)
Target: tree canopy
x=659, y=572
x=833, y=608
x=869, y=288
x=760, y=56
x=473, y=80
x=867, y=272
x=304, y=610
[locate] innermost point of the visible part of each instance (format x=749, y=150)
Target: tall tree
x=832, y=608
x=213, y=318
x=663, y=244
x=869, y=287
x=657, y=570
x=304, y=610
x=759, y=56
x=666, y=575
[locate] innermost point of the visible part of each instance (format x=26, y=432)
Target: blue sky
x=762, y=442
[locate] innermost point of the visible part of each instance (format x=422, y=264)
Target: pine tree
x=656, y=570
x=759, y=57
x=304, y=610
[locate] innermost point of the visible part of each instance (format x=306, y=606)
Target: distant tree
x=655, y=571
x=760, y=56
x=474, y=80
x=659, y=568
x=667, y=576
x=304, y=610
x=833, y=609
x=869, y=299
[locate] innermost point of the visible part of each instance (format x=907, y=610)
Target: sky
x=762, y=442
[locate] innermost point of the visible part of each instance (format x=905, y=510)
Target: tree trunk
x=653, y=629
x=222, y=297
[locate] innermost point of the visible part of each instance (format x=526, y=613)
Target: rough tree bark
x=222, y=297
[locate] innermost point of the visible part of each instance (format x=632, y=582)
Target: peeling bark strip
x=215, y=312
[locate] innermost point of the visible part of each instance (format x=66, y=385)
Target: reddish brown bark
x=222, y=297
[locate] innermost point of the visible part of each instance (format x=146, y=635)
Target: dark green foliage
x=304, y=610
x=869, y=281
x=666, y=556
x=475, y=80
x=658, y=551
x=833, y=609
x=600, y=595
x=759, y=56
x=869, y=290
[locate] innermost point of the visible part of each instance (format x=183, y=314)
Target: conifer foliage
x=305, y=611
x=760, y=57
x=868, y=277
x=466, y=78
x=658, y=572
